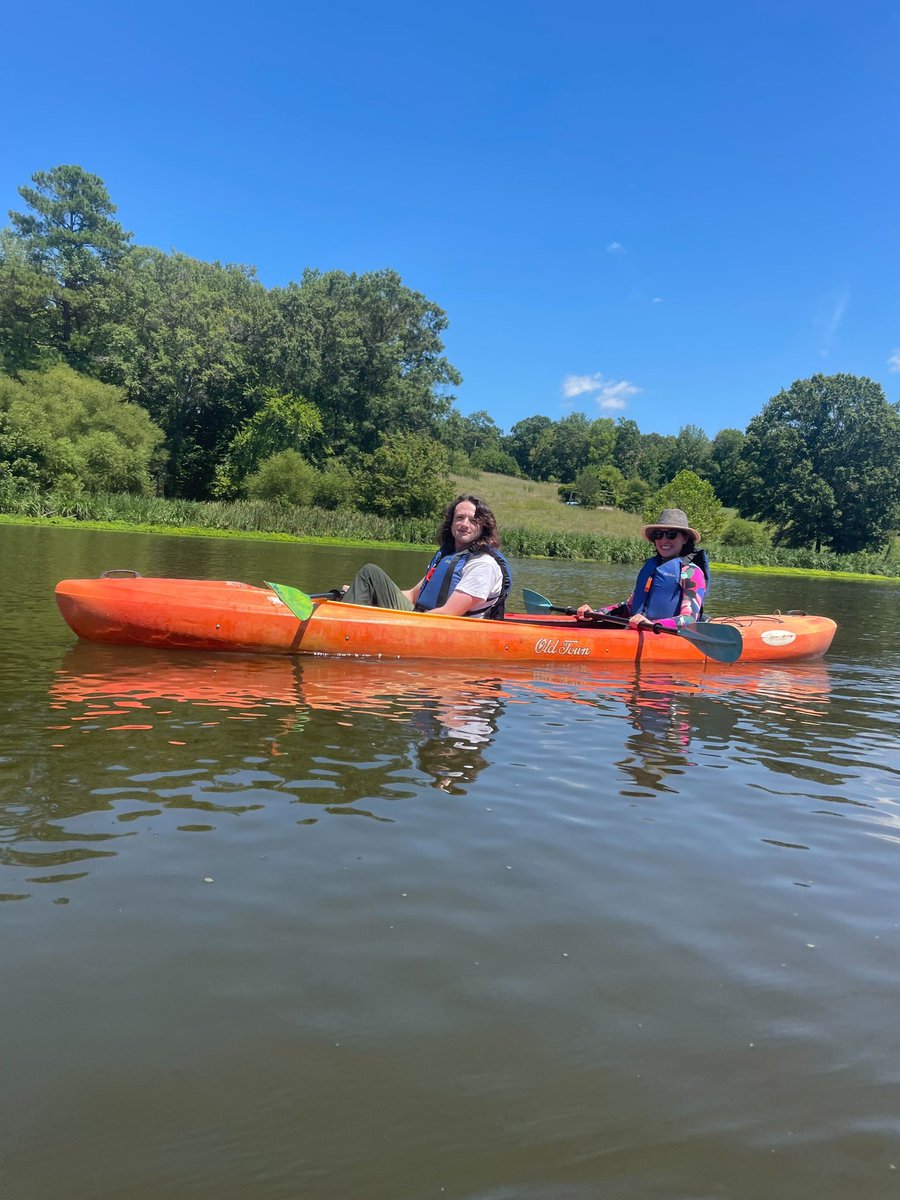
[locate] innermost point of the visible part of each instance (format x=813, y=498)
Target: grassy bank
x=534, y=524
x=58, y=522
x=523, y=504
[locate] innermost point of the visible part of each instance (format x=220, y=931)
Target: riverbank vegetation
x=159, y=390
x=533, y=524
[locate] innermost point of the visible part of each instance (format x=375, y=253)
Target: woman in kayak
x=671, y=585
x=467, y=577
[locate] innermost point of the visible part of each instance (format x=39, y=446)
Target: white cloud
x=615, y=395
x=830, y=320
x=609, y=393
x=576, y=385
x=615, y=248
x=894, y=361
x=657, y=300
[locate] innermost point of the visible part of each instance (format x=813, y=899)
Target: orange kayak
x=226, y=615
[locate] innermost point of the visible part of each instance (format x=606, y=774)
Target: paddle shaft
x=721, y=642
x=623, y=621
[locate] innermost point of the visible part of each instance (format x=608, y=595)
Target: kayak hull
x=239, y=617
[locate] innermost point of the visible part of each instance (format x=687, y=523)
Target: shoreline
x=363, y=544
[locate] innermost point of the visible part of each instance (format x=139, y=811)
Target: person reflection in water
x=665, y=715
x=460, y=731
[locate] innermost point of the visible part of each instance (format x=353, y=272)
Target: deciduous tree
x=367, y=351
x=695, y=497
x=184, y=338
x=627, y=451
x=724, y=465
x=562, y=450
x=522, y=439
x=598, y=486
x=656, y=459
x=691, y=453
x=821, y=464
x=635, y=495
x=602, y=441
x=280, y=423
x=406, y=477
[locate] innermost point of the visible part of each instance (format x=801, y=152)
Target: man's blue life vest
x=444, y=573
x=657, y=591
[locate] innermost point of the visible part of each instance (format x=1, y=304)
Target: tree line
x=125, y=368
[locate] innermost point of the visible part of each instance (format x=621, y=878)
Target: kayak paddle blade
x=724, y=643
x=535, y=602
x=298, y=602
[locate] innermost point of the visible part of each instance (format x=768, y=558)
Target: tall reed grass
x=264, y=518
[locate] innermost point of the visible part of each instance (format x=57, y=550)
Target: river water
x=354, y=930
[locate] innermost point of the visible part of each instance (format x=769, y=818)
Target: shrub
x=58, y=427
x=286, y=477
x=335, y=486
x=739, y=532
x=492, y=458
x=458, y=464
x=282, y=422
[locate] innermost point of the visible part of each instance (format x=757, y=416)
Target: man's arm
x=412, y=594
x=481, y=578
x=458, y=604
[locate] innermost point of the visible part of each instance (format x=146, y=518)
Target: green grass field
x=524, y=504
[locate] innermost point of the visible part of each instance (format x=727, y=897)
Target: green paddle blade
x=298, y=602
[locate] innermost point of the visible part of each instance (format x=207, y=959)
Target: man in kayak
x=467, y=577
x=671, y=585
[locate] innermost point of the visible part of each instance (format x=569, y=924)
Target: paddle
x=721, y=642
x=298, y=602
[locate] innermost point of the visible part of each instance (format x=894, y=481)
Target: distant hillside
x=524, y=504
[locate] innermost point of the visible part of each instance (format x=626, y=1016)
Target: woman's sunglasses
x=656, y=534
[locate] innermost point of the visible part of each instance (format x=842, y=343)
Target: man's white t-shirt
x=482, y=578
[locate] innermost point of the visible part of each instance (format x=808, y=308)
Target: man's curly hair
x=489, y=535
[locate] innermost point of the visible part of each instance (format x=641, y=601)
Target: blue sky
x=661, y=211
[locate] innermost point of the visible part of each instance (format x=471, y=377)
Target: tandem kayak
x=231, y=616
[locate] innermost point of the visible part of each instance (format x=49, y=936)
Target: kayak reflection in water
x=468, y=576
x=671, y=585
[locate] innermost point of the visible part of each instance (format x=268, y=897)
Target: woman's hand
x=584, y=612
x=638, y=620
